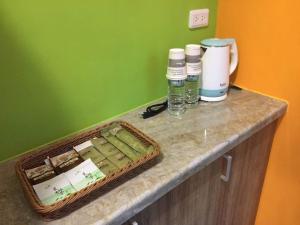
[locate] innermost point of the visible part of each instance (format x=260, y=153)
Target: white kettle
x=219, y=60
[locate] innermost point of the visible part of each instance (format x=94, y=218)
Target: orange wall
x=268, y=37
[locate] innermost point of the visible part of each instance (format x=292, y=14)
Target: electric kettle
x=219, y=60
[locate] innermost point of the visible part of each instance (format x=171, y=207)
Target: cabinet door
x=194, y=202
x=205, y=199
x=242, y=191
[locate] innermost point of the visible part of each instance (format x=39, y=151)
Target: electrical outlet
x=198, y=18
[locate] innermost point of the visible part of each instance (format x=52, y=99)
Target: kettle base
x=213, y=99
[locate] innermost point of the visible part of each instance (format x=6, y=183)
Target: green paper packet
x=104, y=146
x=127, y=150
x=107, y=167
x=120, y=160
x=130, y=139
x=91, y=153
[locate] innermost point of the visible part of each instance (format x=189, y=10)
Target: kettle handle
x=234, y=58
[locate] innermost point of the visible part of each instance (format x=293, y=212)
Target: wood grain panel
x=194, y=202
x=242, y=192
x=204, y=199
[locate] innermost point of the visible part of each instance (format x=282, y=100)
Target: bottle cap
x=192, y=50
x=176, y=53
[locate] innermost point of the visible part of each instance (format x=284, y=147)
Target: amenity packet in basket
x=54, y=190
x=85, y=174
x=126, y=149
x=120, y=160
x=65, y=161
x=107, y=167
x=104, y=146
x=39, y=174
x=131, y=140
x=87, y=151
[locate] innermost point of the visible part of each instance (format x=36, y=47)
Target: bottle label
x=193, y=68
x=176, y=72
x=176, y=69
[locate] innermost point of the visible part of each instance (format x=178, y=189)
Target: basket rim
x=73, y=198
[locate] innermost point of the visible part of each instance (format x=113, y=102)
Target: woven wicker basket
x=82, y=197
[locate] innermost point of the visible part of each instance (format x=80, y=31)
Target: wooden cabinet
x=205, y=199
x=242, y=192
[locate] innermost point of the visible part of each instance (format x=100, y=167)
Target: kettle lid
x=216, y=42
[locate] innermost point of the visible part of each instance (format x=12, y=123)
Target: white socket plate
x=198, y=18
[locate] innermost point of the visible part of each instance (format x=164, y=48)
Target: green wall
x=66, y=65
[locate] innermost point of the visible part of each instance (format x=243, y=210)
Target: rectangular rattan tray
x=82, y=197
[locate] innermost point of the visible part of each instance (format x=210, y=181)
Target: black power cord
x=153, y=110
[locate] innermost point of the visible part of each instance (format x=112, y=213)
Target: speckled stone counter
x=188, y=145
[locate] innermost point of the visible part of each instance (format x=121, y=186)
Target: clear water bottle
x=176, y=76
x=176, y=94
x=193, y=67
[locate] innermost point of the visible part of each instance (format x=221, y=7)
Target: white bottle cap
x=176, y=53
x=192, y=50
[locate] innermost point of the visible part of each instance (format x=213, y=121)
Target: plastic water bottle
x=193, y=67
x=176, y=76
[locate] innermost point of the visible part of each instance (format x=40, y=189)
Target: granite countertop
x=187, y=145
